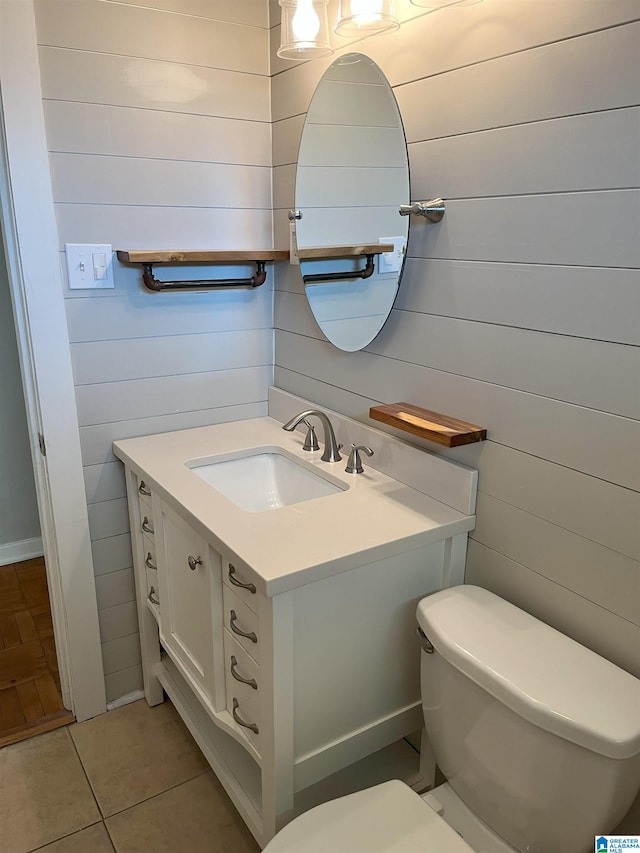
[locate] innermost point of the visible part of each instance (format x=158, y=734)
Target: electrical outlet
x=89, y=265
x=391, y=261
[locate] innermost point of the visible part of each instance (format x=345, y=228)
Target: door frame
x=35, y=281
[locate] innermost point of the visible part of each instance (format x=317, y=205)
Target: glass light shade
x=440, y=4
x=304, y=29
x=365, y=17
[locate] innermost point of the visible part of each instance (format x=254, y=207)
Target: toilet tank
x=538, y=735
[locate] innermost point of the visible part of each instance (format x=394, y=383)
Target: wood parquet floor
x=30, y=698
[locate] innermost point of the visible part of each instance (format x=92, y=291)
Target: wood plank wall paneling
x=158, y=125
x=80, y=128
x=83, y=77
x=520, y=311
x=130, y=30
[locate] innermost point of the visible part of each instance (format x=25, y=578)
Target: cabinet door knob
x=240, y=721
x=234, y=672
x=149, y=562
x=194, y=562
x=142, y=488
x=251, y=635
x=234, y=580
x=146, y=525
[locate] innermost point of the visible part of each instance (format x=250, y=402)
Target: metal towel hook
x=432, y=210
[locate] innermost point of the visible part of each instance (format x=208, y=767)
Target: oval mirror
x=352, y=176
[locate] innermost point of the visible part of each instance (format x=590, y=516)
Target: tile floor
x=129, y=781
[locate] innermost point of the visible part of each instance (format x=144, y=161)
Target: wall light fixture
x=365, y=17
x=305, y=25
x=440, y=4
x=305, y=29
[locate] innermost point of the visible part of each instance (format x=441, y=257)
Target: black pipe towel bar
x=152, y=283
x=365, y=272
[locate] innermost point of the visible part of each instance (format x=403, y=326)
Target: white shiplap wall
x=157, y=115
x=521, y=310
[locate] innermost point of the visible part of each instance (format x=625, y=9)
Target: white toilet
x=538, y=737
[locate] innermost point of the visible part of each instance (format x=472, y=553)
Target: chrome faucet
x=331, y=448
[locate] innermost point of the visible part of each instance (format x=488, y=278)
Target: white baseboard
x=15, y=552
x=125, y=700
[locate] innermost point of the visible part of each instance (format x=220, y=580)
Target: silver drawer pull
x=149, y=562
x=146, y=525
x=153, y=596
x=249, y=635
x=240, y=721
x=142, y=488
x=194, y=562
x=234, y=672
x=234, y=580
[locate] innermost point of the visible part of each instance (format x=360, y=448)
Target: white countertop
x=280, y=549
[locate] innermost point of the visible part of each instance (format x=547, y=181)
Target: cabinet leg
x=150, y=648
x=153, y=691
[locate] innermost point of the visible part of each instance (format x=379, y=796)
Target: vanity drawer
x=150, y=569
x=242, y=685
x=241, y=622
x=152, y=586
x=241, y=672
x=146, y=508
x=246, y=715
x=144, y=500
x=144, y=491
x=243, y=588
x=149, y=549
x=146, y=521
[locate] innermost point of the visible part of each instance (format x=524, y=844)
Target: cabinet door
x=187, y=575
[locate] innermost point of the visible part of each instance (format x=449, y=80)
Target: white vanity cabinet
x=285, y=670
x=305, y=682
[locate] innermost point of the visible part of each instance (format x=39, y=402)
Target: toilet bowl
x=538, y=737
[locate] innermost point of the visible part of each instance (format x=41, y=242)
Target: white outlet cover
x=391, y=261
x=86, y=266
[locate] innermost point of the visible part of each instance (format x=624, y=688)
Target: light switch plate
x=391, y=261
x=89, y=265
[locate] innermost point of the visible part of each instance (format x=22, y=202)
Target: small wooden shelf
x=197, y=257
x=449, y=432
x=148, y=258
x=323, y=252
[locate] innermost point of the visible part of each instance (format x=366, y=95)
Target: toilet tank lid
x=541, y=674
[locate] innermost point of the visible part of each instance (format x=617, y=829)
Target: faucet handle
x=354, y=463
x=311, y=440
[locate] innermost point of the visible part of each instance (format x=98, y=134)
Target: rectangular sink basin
x=265, y=479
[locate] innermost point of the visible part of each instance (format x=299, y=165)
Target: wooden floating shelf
x=449, y=432
x=215, y=257
x=323, y=252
